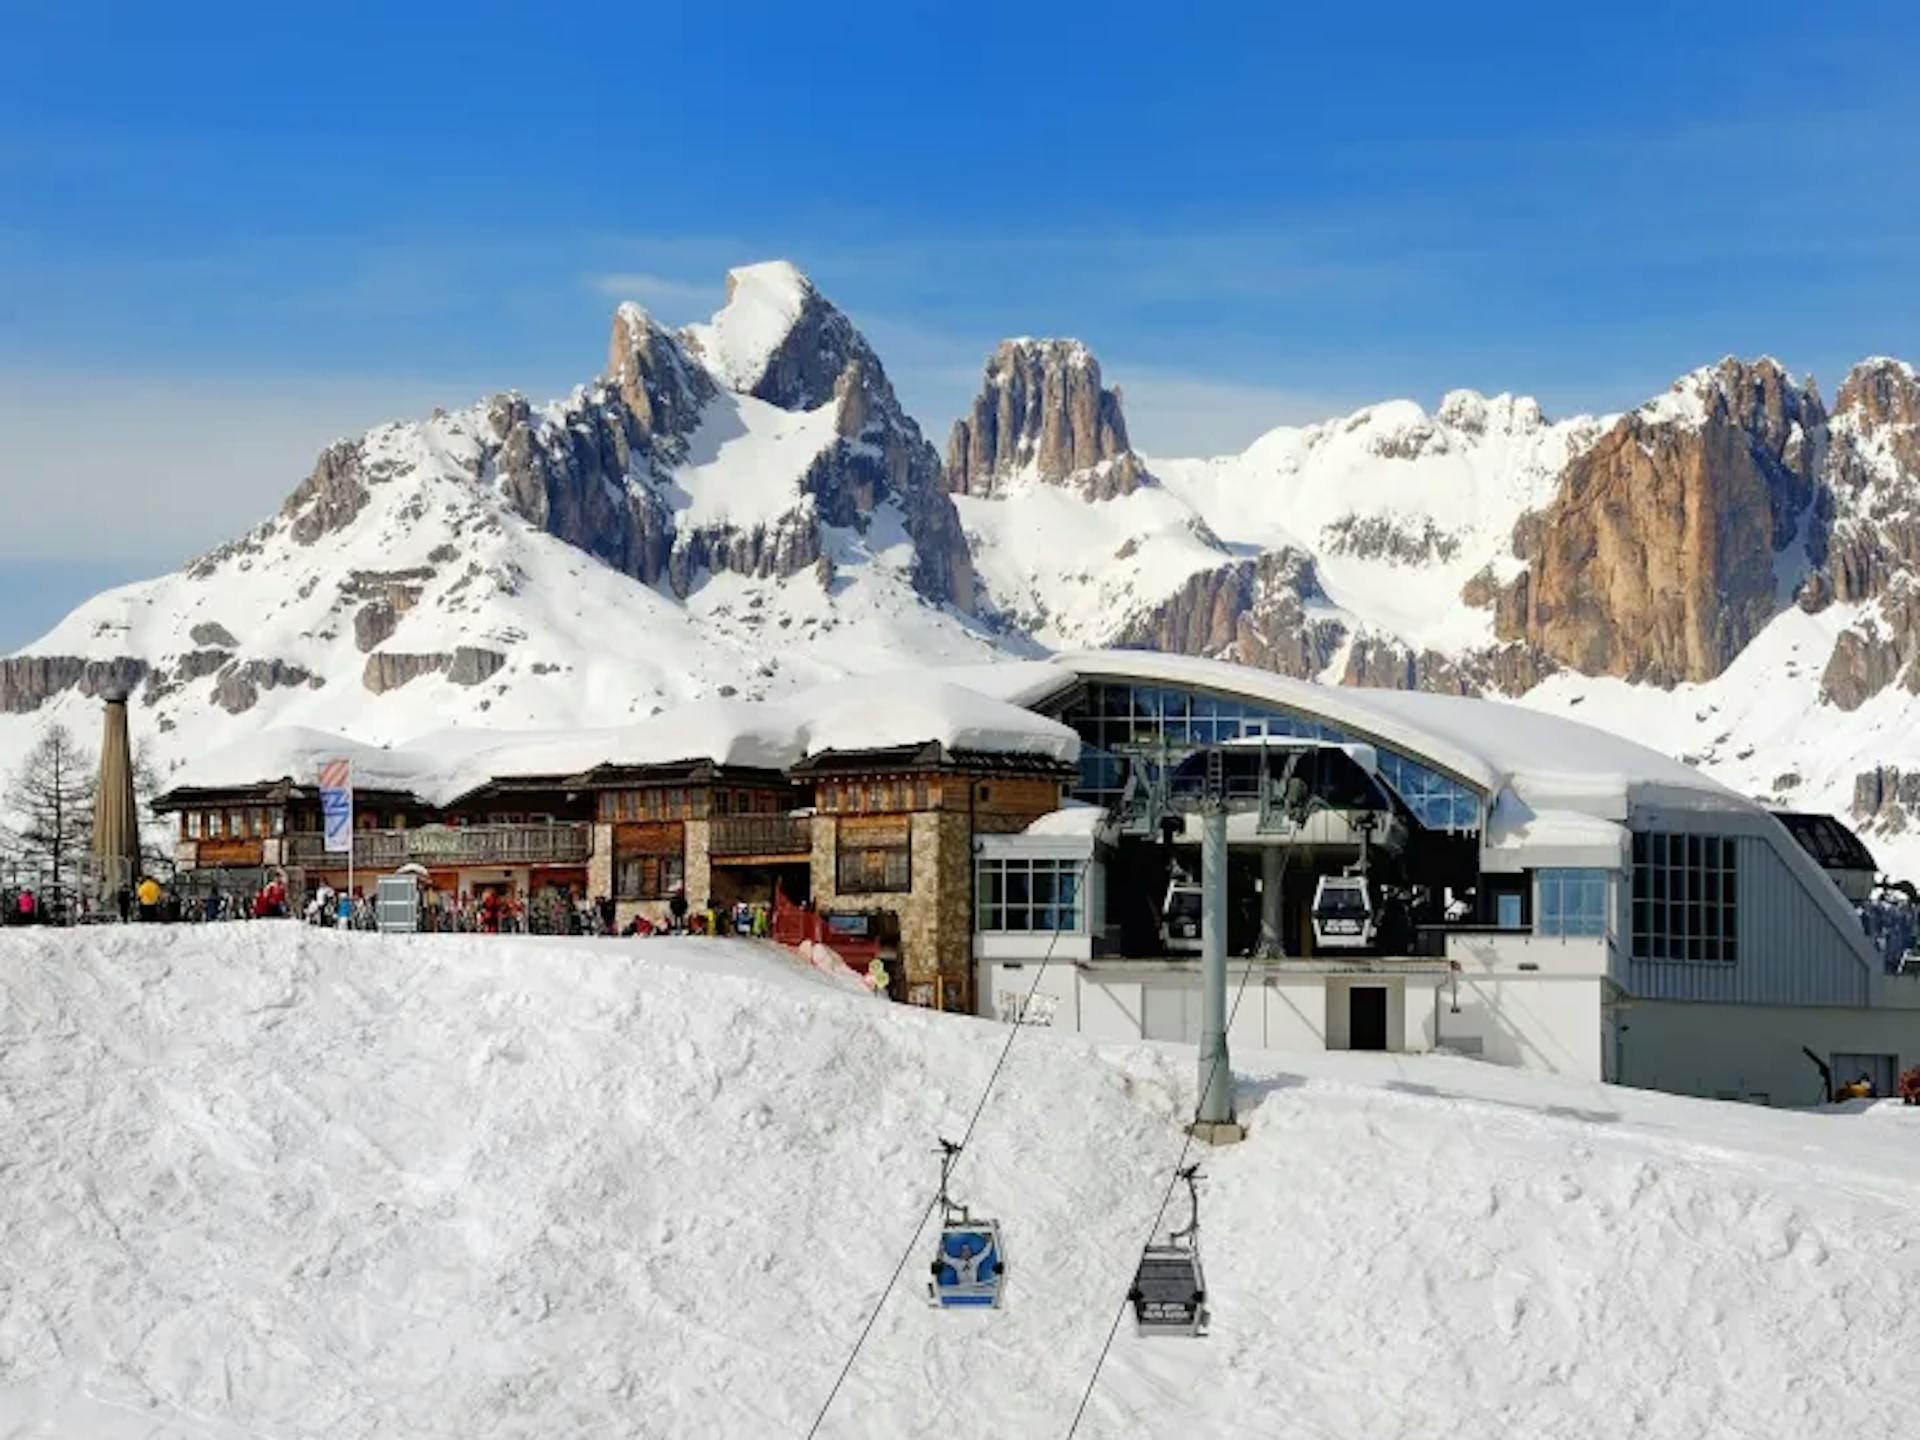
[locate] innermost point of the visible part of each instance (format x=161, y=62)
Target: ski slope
x=269, y=1182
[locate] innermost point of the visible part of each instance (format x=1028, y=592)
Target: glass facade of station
x=1110, y=715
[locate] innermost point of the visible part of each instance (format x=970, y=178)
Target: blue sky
x=229, y=234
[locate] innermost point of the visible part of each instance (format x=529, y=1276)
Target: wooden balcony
x=787, y=837
x=441, y=845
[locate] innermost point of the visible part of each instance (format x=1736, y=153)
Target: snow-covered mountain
x=1730, y=571
x=741, y=507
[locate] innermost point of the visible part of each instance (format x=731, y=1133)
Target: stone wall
x=600, y=862
x=699, y=864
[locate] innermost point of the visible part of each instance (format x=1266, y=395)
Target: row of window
x=1110, y=716
x=668, y=802
x=1023, y=895
x=876, y=797
x=250, y=824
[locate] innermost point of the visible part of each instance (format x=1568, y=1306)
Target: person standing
x=149, y=896
x=677, y=909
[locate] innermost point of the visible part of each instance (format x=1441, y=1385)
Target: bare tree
x=51, y=799
x=156, y=834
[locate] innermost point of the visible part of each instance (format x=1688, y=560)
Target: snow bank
x=269, y=1181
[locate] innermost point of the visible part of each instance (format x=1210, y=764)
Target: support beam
x=1214, y=1120
x=1273, y=915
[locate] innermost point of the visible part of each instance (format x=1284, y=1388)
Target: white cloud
x=661, y=290
x=149, y=471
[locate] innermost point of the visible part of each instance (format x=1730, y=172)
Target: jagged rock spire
x=1043, y=412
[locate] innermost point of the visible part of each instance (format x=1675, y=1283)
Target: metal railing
x=561, y=844
x=760, y=835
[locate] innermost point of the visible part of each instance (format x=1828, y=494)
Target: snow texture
x=267, y=1181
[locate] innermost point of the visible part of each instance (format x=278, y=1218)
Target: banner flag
x=336, y=804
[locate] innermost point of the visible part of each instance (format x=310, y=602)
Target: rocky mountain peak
x=779, y=339
x=1656, y=559
x=646, y=366
x=1042, y=412
x=1880, y=392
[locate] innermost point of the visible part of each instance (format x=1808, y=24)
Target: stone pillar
x=699, y=862
x=116, y=813
x=600, y=862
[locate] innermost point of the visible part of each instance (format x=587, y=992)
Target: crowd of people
x=497, y=910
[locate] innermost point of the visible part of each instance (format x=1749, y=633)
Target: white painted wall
x=1537, y=1022
x=1752, y=1052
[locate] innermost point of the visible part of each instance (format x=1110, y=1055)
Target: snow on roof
x=861, y=714
x=763, y=302
x=1076, y=817
x=1486, y=743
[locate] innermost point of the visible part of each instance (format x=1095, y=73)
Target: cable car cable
x=1019, y=1022
x=1166, y=1199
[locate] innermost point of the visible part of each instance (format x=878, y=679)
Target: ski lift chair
x=969, y=1267
x=1169, y=1293
x=1344, y=915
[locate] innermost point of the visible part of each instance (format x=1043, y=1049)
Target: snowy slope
x=270, y=1181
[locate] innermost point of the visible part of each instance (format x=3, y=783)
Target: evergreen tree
x=51, y=799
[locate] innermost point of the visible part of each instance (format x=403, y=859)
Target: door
x=1367, y=1017
x=1879, y=1071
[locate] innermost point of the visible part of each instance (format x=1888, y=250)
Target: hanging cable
x=1166, y=1197
x=1019, y=1021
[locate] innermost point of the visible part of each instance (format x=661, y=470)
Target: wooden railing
x=563, y=844
x=760, y=835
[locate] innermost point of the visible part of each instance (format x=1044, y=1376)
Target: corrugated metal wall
x=1792, y=951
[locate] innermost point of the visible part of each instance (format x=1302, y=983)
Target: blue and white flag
x=336, y=804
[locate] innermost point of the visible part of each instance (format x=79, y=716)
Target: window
x=1573, y=902
x=1022, y=894
x=1507, y=911
x=1684, y=897
x=214, y=830
x=1112, y=717
x=649, y=877
x=874, y=869
x=279, y=822
x=237, y=824
x=193, y=824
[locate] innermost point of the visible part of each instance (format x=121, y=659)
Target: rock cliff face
x=1256, y=611
x=1867, y=540
x=1042, y=412
x=1656, y=560
x=29, y=681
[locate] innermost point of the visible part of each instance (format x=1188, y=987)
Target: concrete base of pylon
x=1218, y=1132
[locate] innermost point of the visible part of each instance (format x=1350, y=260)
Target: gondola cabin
x=1169, y=1292
x=969, y=1267
x=1344, y=915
